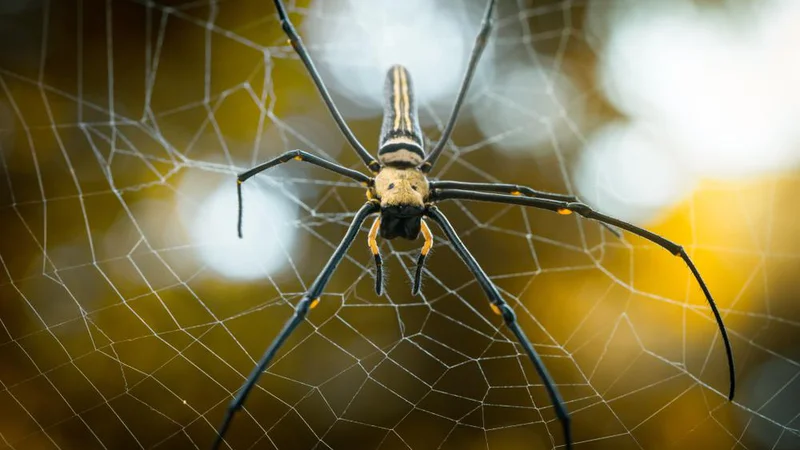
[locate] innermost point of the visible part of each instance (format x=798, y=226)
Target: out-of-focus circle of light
x=355, y=43
x=703, y=81
x=531, y=105
x=269, y=234
x=759, y=390
x=627, y=171
x=780, y=36
x=601, y=17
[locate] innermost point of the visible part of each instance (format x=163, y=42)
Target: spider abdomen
x=401, y=136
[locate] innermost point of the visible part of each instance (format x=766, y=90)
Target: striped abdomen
x=401, y=136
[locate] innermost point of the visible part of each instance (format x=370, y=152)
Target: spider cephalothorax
x=402, y=196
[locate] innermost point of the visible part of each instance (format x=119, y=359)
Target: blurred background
x=130, y=313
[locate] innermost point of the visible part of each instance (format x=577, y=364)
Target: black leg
x=372, y=241
x=477, y=51
x=426, y=233
x=297, y=155
x=309, y=300
x=499, y=306
x=566, y=208
x=513, y=189
x=298, y=46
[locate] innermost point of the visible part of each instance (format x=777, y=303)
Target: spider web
x=121, y=119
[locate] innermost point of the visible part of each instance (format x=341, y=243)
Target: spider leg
x=477, y=51
x=426, y=233
x=309, y=301
x=297, y=155
x=301, y=51
x=499, y=306
x=376, y=252
x=513, y=189
x=566, y=208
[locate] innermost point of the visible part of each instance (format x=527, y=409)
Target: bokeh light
x=269, y=231
x=357, y=42
x=628, y=170
x=703, y=75
x=529, y=108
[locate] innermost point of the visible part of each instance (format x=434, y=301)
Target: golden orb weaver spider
x=403, y=196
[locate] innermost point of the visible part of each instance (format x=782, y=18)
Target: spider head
x=401, y=221
x=402, y=192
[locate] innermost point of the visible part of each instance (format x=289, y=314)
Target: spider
x=403, y=197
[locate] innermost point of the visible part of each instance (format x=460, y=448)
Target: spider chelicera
x=403, y=196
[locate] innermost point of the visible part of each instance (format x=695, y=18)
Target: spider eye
x=391, y=186
x=414, y=188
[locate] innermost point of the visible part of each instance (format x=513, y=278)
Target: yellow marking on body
x=564, y=211
x=373, y=235
x=238, y=181
x=314, y=303
x=496, y=309
x=298, y=158
x=426, y=233
x=396, y=86
x=517, y=193
x=406, y=102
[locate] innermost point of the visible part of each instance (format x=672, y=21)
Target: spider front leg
x=499, y=306
x=513, y=189
x=475, y=57
x=295, y=155
x=300, y=49
x=309, y=301
x=567, y=208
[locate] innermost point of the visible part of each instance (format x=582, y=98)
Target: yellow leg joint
x=314, y=303
x=517, y=193
x=495, y=308
x=426, y=233
x=372, y=239
x=298, y=158
x=564, y=211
